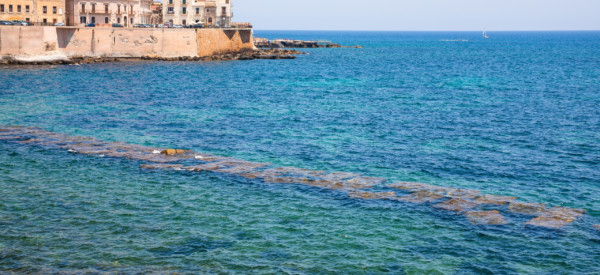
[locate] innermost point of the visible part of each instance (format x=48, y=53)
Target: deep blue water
x=517, y=114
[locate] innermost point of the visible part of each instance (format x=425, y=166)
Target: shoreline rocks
x=229, y=56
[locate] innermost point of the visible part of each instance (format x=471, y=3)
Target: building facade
x=107, y=12
x=215, y=13
x=39, y=12
x=156, y=17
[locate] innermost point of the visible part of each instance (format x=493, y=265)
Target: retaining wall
x=122, y=42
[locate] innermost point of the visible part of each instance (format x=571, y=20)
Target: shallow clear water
x=515, y=115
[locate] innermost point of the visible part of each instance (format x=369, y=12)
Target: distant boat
x=484, y=35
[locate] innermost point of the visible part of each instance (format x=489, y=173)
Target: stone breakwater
x=476, y=207
x=242, y=55
x=264, y=43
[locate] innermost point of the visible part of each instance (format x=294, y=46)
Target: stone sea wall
x=66, y=42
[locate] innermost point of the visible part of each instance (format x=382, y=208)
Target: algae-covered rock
x=597, y=226
x=421, y=197
x=556, y=217
x=162, y=166
x=528, y=208
x=456, y=205
x=494, y=199
x=411, y=186
x=365, y=182
x=372, y=195
x=486, y=217
x=462, y=193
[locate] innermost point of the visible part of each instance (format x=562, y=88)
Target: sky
x=419, y=15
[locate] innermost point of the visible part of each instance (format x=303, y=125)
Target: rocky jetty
x=76, y=60
x=263, y=43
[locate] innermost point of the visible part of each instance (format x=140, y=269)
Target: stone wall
x=122, y=42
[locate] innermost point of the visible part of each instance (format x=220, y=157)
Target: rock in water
x=486, y=217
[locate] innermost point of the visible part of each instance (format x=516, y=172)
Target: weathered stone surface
x=411, y=186
x=486, y=217
x=209, y=166
x=556, y=217
x=456, y=205
x=162, y=166
x=372, y=195
x=449, y=192
x=278, y=179
x=528, y=208
x=340, y=175
x=494, y=199
x=258, y=174
x=421, y=197
x=462, y=193
x=548, y=222
x=365, y=182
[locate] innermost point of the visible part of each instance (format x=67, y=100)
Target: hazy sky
x=419, y=14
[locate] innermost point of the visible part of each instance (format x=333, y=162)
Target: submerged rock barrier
x=477, y=208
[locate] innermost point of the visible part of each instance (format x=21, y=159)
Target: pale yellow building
x=187, y=12
x=39, y=12
x=107, y=12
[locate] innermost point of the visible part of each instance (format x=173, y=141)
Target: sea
x=517, y=114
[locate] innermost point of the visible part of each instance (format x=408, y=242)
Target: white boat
x=484, y=35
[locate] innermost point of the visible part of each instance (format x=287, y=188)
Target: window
x=45, y=20
x=54, y=21
x=183, y=1
x=118, y=8
x=170, y=2
x=131, y=20
x=118, y=20
x=27, y=19
x=82, y=19
x=93, y=8
x=18, y=8
x=183, y=22
x=2, y=8
x=124, y=8
x=82, y=7
x=223, y=11
x=93, y=19
x=106, y=9
x=54, y=9
x=226, y=1
x=183, y=10
x=197, y=10
x=9, y=8
x=170, y=10
x=27, y=8
x=131, y=8
x=105, y=20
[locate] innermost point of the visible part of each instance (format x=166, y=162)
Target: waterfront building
x=107, y=12
x=156, y=17
x=39, y=12
x=215, y=13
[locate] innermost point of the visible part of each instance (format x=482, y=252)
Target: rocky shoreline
x=76, y=60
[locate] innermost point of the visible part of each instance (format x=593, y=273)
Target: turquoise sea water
x=517, y=114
